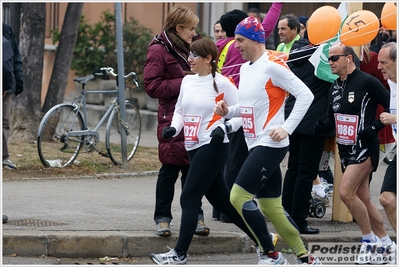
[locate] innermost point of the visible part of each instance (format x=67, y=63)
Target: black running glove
x=168, y=132
x=217, y=135
x=19, y=87
x=370, y=132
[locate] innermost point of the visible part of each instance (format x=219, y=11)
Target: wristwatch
x=228, y=126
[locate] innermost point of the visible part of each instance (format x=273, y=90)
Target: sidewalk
x=113, y=216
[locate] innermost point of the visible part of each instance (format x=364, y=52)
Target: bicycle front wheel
x=56, y=148
x=132, y=128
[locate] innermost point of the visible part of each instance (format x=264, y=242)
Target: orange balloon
x=388, y=15
x=359, y=28
x=323, y=24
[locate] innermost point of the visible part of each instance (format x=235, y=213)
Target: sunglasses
x=336, y=57
x=193, y=56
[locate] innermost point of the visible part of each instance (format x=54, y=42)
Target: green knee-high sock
x=274, y=211
x=238, y=197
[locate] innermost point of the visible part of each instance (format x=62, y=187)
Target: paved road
x=95, y=217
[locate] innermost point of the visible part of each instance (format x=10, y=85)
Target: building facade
x=152, y=15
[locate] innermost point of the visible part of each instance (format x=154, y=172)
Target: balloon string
x=393, y=13
x=305, y=48
x=339, y=35
x=312, y=47
x=390, y=14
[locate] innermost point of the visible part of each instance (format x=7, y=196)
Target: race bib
x=394, y=126
x=248, y=117
x=346, y=128
x=324, y=161
x=191, y=127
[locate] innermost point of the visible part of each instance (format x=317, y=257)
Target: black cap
x=230, y=20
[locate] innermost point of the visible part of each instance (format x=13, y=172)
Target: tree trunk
x=15, y=18
x=25, y=115
x=63, y=58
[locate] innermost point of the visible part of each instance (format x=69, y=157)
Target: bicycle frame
x=82, y=104
x=63, y=139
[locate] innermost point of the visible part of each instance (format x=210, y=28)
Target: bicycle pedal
x=104, y=154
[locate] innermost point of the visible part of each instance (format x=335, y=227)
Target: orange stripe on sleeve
x=278, y=60
x=276, y=97
x=215, y=116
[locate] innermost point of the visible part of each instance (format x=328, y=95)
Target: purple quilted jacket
x=163, y=73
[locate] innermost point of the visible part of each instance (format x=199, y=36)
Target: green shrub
x=96, y=46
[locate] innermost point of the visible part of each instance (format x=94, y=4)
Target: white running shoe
x=384, y=254
x=366, y=252
x=168, y=258
x=391, y=254
x=266, y=260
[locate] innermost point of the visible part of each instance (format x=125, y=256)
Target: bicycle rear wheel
x=56, y=148
x=133, y=132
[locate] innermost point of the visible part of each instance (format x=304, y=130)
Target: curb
x=76, y=244
x=96, y=176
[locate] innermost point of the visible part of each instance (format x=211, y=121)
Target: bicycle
x=63, y=131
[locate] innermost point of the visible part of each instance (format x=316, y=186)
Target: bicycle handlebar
x=110, y=70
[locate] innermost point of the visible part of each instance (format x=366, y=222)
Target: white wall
x=213, y=11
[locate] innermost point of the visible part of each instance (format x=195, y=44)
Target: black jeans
x=303, y=166
x=165, y=191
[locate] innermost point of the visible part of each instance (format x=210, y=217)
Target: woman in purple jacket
x=166, y=65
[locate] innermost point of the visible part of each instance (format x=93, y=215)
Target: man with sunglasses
x=352, y=105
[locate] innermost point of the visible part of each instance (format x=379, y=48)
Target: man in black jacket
x=305, y=148
x=16, y=89
x=352, y=104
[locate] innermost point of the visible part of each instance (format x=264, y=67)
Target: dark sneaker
x=5, y=219
x=8, y=164
x=202, y=229
x=168, y=258
x=163, y=229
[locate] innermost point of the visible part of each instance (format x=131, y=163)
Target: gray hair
x=392, y=50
